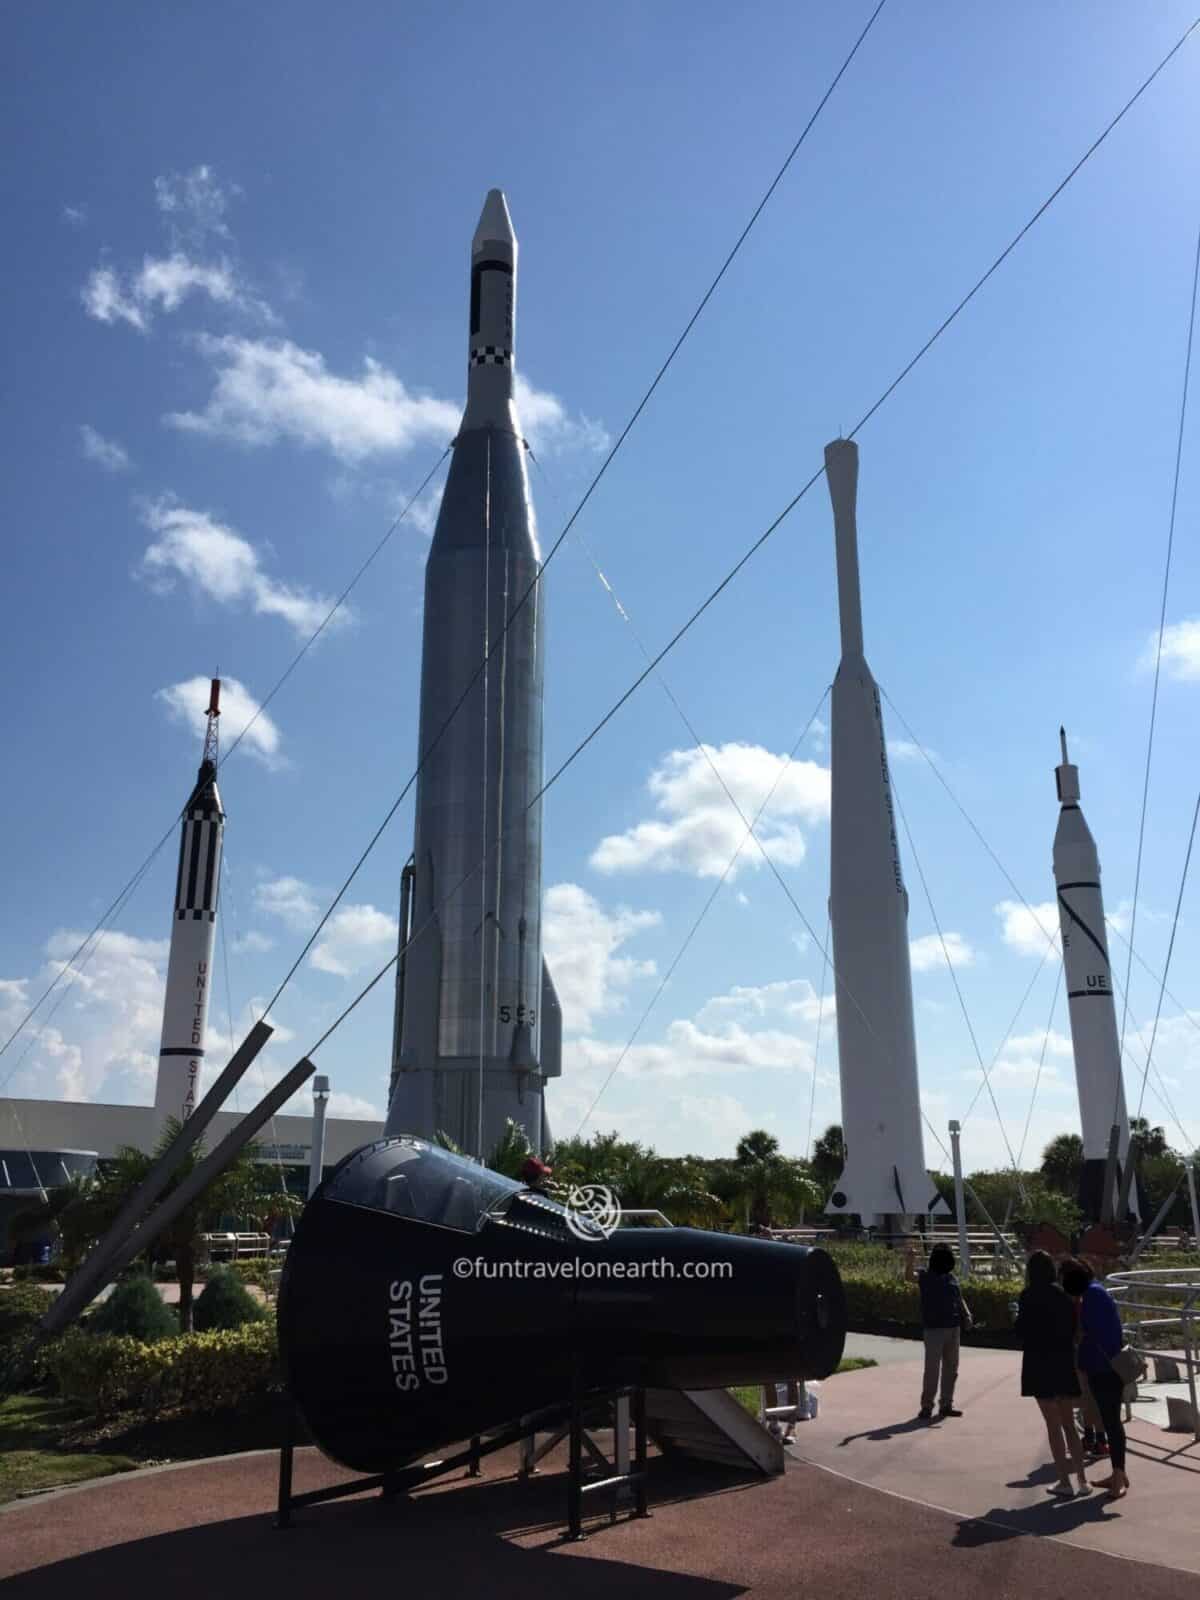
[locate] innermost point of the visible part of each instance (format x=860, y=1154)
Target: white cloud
x=719, y=1116
x=169, y=280
x=218, y=561
x=1180, y=650
x=354, y=937
x=549, y=427
x=187, y=702
x=75, y=216
x=253, y=943
x=581, y=940
x=354, y=1105
x=927, y=953
x=289, y=899
x=1025, y=928
x=906, y=750
x=194, y=203
x=267, y=390
x=789, y=997
x=106, y=453
x=105, y=300
x=697, y=830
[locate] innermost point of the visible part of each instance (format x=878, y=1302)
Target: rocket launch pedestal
x=1094, y=1039
x=193, y=932
x=885, y=1178
x=476, y=1012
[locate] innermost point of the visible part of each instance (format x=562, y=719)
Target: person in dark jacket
x=943, y=1315
x=1100, y=1338
x=1046, y=1333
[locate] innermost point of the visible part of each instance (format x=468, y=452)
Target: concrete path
x=993, y=1464
x=884, y=1350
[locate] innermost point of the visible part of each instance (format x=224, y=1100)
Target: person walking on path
x=944, y=1315
x=1046, y=1333
x=1100, y=1338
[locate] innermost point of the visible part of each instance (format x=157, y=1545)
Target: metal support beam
x=1191, y=1182
x=94, y=1273
x=1156, y=1224
x=960, y=1204
x=1110, y=1175
x=192, y=1187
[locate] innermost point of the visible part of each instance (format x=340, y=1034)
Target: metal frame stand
x=618, y=1477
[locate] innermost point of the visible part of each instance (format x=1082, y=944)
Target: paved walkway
x=977, y=1487
x=993, y=1463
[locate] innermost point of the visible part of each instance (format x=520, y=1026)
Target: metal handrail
x=1181, y=1281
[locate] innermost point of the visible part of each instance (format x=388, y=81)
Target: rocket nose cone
x=495, y=224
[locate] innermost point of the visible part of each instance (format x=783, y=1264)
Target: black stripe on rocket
x=1104, y=988
x=196, y=893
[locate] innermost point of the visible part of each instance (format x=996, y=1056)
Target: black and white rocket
x=1088, y=972
x=477, y=1029
x=885, y=1174
x=193, y=933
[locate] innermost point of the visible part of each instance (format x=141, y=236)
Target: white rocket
x=478, y=1030
x=885, y=1173
x=193, y=932
x=1094, y=1038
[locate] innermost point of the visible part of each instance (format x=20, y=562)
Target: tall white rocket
x=1094, y=1038
x=885, y=1173
x=193, y=933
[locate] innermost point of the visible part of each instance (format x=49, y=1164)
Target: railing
x=1134, y=1291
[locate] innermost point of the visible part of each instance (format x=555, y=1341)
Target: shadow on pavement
x=1055, y=1517
x=892, y=1430
x=434, y=1544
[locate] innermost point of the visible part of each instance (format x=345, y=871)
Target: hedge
x=194, y=1372
x=874, y=1297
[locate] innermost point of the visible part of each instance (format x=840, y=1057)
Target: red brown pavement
x=208, y=1528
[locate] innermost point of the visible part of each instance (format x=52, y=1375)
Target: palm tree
x=829, y=1156
x=768, y=1180
x=246, y=1190
x=1062, y=1163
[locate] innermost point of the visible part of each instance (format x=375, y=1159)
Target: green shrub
x=135, y=1310
x=224, y=1302
x=875, y=1297
x=193, y=1372
x=39, y=1272
x=22, y=1306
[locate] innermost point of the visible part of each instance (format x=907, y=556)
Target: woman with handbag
x=1046, y=1331
x=1101, y=1342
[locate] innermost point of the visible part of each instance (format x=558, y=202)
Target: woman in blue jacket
x=1100, y=1338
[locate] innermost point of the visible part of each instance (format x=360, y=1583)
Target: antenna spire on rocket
x=210, y=733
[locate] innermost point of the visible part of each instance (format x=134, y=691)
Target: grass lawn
x=748, y=1393
x=32, y=1453
x=45, y=1443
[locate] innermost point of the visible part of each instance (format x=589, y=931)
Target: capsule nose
x=495, y=225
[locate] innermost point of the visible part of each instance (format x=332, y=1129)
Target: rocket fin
x=551, y=1026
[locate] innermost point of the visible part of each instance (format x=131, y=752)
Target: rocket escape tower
x=193, y=934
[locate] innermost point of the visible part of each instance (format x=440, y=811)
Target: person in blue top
x=1100, y=1338
x=943, y=1317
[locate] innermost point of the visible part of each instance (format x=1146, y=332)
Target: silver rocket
x=885, y=1173
x=193, y=932
x=1094, y=1038
x=474, y=1043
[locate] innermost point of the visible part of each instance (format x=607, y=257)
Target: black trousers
x=1106, y=1389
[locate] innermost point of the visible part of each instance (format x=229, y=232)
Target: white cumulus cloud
x=106, y=301
x=1180, y=650
x=549, y=426
x=106, y=453
x=289, y=899
x=1027, y=929
x=697, y=830
x=581, y=941
x=194, y=203
x=928, y=955
x=354, y=937
x=187, y=702
x=219, y=562
x=271, y=389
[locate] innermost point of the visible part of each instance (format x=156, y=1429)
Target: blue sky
x=235, y=342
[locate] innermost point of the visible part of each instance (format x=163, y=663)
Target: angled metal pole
x=1127, y=1181
x=87, y=1282
x=1110, y=1175
x=1001, y=1240
x=960, y=1205
x=194, y=1185
x=1157, y=1223
x=1191, y=1180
